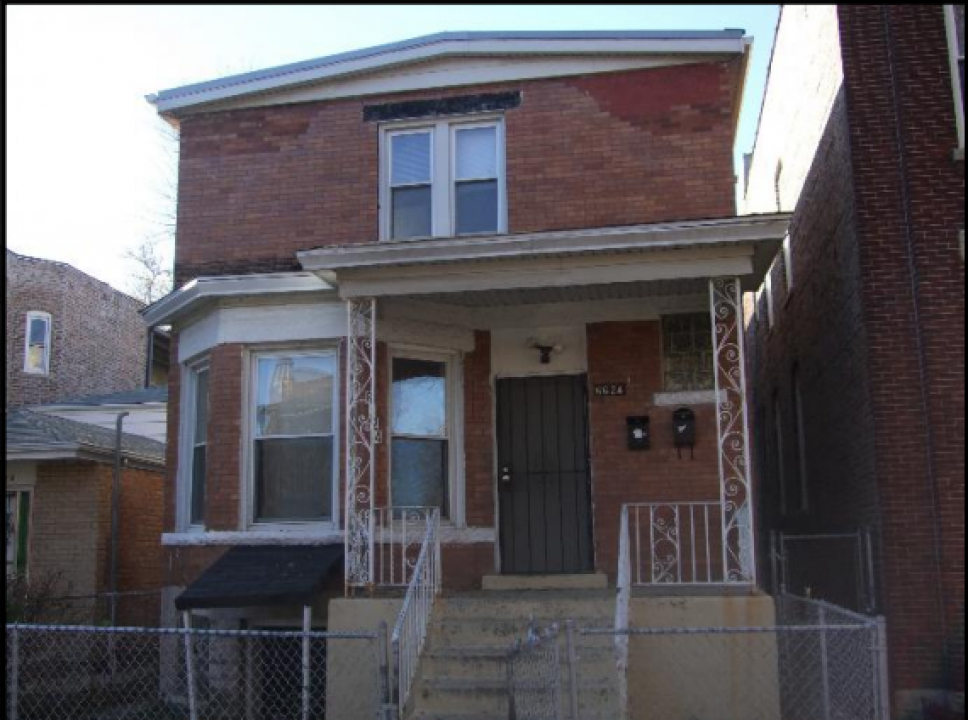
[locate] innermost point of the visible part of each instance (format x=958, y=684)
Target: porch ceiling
x=571, y=294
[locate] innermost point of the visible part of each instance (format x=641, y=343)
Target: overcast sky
x=87, y=162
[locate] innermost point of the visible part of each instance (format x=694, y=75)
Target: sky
x=90, y=170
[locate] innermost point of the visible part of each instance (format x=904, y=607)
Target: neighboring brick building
x=857, y=337
x=87, y=337
x=59, y=478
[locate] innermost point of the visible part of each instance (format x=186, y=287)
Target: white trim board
x=398, y=59
x=263, y=324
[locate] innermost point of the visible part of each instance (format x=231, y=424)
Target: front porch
x=565, y=376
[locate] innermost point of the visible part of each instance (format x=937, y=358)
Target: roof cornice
x=451, y=44
x=189, y=296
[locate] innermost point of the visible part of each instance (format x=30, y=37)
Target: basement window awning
x=263, y=575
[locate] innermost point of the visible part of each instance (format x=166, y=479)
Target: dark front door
x=543, y=486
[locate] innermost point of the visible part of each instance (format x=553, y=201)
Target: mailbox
x=638, y=432
x=684, y=429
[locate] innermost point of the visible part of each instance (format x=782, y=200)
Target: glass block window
x=687, y=352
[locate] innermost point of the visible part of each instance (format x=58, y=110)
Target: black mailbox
x=684, y=428
x=638, y=432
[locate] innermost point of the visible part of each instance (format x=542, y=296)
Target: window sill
x=253, y=537
x=687, y=397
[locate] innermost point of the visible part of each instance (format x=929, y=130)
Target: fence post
x=572, y=667
x=190, y=667
x=824, y=669
x=13, y=681
x=383, y=658
x=881, y=687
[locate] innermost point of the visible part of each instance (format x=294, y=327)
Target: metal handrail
x=410, y=630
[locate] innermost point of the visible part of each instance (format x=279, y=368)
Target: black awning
x=262, y=575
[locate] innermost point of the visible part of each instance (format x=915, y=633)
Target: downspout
x=115, y=517
x=918, y=334
x=149, y=354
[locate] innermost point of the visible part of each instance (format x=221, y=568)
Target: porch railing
x=398, y=536
x=678, y=543
x=410, y=631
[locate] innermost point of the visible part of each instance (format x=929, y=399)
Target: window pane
x=38, y=331
x=476, y=153
x=419, y=473
x=410, y=159
x=411, y=212
x=295, y=395
x=293, y=479
x=476, y=206
x=201, y=407
x=199, y=456
x=418, y=397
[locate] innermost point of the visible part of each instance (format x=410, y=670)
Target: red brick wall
x=479, y=435
x=97, y=340
x=223, y=469
x=631, y=352
x=910, y=207
x=257, y=185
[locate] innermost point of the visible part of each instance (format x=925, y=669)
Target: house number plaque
x=610, y=389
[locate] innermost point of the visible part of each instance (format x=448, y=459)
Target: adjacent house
x=857, y=336
x=78, y=355
x=60, y=541
x=491, y=276
x=70, y=335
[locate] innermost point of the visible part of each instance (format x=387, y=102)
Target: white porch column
x=361, y=439
x=736, y=491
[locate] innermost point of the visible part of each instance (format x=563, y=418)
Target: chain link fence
x=92, y=673
x=819, y=662
x=534, y=677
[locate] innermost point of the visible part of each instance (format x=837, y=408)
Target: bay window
x=292, y=448
x=199, y=445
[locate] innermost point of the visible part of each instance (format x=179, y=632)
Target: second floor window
x=443, y=179
x=37, y=351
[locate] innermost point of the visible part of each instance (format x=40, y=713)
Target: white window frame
x=454, y=422
x=768, y=288
x=788, y=263
x=186, y=440
x=953, y=57
x=46, y=317
x=442, y=172
x=249, y=399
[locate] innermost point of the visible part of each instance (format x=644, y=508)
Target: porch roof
x=262, y=575
x=742, y=246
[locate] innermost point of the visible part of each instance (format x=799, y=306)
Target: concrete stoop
x=463, y=670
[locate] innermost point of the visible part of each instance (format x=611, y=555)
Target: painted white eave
x=748, y=229
x=169, y=102
x=188, y=297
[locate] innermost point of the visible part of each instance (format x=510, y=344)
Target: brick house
x=476, y=272
x=85, y=337
x=59, y=479
x=856, y=338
